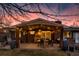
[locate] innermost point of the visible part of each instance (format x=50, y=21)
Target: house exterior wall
x=73, y=35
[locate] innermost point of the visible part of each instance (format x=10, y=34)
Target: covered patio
x=39, y=32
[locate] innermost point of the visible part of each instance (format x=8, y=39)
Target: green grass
x=31, y=52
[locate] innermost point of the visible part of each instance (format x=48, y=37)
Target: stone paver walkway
x=35, y=46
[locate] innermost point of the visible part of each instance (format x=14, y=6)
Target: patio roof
x=39, y=21
x=71, y=28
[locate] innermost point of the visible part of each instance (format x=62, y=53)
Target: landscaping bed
x=31, y=52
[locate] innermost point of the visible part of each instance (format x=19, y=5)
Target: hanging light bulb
x=32, y=32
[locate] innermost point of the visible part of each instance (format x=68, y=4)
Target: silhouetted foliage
x=13, y=11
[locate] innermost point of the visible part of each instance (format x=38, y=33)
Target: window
x=68, y=34
x=76, y=37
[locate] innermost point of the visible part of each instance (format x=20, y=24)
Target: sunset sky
x=57, y=9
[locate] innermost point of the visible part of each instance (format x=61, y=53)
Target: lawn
x=31, y=52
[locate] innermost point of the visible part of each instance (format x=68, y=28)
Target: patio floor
x=31, y=46
x=35, y=46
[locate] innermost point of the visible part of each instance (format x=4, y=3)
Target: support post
x=61, y=38
x=17, y=38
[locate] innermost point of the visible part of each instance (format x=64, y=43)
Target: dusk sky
x=69, y=12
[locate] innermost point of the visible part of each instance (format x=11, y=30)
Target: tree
x=13, y=11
